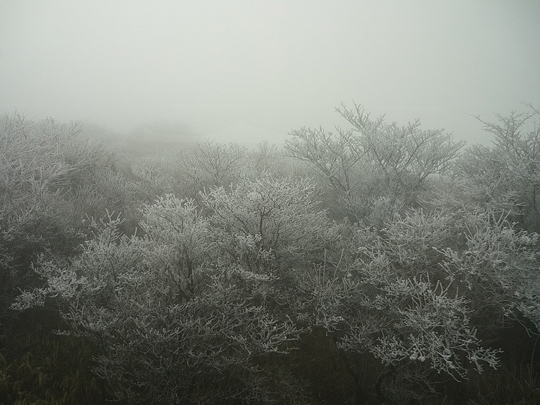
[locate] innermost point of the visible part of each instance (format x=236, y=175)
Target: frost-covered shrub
x=373, y=160
x=420, y=322
x=397, y=303
x=498, y=269
x=508, y=172
x=43, y=166
x=269, y=224
x=208, y=165
x=171, y=322
x=410, y=242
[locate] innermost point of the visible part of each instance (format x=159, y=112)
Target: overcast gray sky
x=277, y=65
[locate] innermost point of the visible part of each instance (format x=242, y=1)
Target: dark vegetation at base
x=56, y=186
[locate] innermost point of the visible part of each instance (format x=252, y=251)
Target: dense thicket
x=377, y=264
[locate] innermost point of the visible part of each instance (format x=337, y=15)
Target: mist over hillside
x=270, y=64
x=247, y=134
x=266, y=202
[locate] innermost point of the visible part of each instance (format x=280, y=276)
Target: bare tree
x=373, y=159
x=209, y=164
x=508, y=173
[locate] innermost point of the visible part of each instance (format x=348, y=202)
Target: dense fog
x=269, y=66
x=267, y=202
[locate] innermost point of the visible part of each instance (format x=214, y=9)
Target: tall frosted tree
x=373, y=163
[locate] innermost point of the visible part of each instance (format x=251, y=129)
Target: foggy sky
x=277, y=65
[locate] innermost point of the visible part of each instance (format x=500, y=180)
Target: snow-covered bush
x=508, y=172
x=208, y=165
x=373, y=160
x=42, y=166
x=171, y=321
x=498, y=269
x=269, y=224
x=397, y=303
